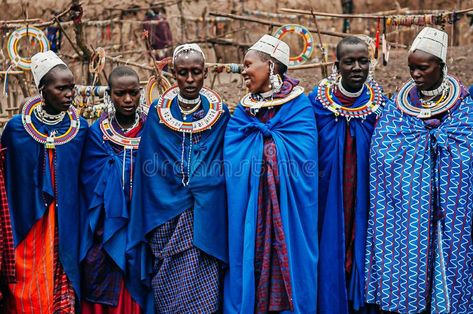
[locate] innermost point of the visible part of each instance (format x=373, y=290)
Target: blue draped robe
x=105, y=193
x=416, y=251
x=29, y=186
x=333, y=294
x=159, y=194
x=295, y=136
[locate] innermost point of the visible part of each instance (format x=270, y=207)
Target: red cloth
x=135, y=132
x=349, y=187
x=272, y=274
x=42, y=285
x=126, y=305
x=7, y=251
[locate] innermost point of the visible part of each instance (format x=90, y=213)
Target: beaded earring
x=334, y=75
x=372, y=66
x=275, y=81
x=142, y=104
x=110, y=107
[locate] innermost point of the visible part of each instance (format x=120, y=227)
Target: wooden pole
x=310, y=66
x=369, y=16
x=321, y=46
x=136, y=64
x=271, y=23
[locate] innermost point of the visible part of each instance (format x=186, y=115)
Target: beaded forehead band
x=186, y=48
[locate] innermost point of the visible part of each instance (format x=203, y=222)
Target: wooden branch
x=156, y=5
x=11, y=72
x=18, y=23
x=67, y=36
x=23, y=21
x=136, y=64
x=310, y=66
x=369, y=16
x=337, y=15
x=78, y=30
x=271, y=23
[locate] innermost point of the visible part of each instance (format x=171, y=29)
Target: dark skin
x=425, y=70
x=190, y=73
x=125, y=95
x=353, y=66
x=59, y=92
x=256, y=72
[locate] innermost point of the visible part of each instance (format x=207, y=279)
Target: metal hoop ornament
x=152, y=86
x=97, y=63
x=12, y=45
x=306, y=36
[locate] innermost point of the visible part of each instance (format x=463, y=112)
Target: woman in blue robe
x=346, y=107
x=107, y=187
x=43, y=150
x=419, y=255
x=271, y=173
x=178, y=225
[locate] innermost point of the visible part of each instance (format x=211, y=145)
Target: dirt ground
x=391, y=77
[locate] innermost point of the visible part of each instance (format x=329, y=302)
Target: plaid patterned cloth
x=7, y=252
x=185, y=279
x=272, y=274
x=64, y=299
x=101, y=277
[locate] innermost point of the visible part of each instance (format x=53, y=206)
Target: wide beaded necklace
x=51, y=140
x=452, y=96
x=249, y=101
x=213, y=114
x=372, y=105
x=109, y=133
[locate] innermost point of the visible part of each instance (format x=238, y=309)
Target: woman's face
x=256, y=72
x=125, y=94
x=425, y=70
x=190, y=73
x=59, y=91
x=354, y=66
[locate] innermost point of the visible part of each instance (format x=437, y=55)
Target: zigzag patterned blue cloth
x=420, y=254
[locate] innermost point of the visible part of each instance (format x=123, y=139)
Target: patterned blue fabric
x=185, y=279
x=419, y=244
x=159, y=195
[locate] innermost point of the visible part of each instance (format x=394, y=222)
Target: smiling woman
x=270, y=145
x=43, y=151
